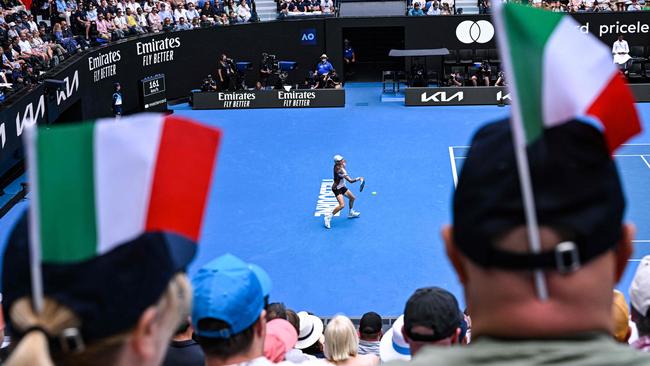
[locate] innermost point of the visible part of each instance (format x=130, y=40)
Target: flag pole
x=34, y=227
x=519, y=141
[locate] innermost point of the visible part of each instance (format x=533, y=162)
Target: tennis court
x=273, y=164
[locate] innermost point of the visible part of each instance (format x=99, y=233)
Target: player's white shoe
x=328, y=221
x=353, y=214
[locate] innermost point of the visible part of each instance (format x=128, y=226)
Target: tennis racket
x=363, y=184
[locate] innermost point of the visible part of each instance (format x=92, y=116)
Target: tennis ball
x=374, y=193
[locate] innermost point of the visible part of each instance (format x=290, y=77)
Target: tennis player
x=340, y=190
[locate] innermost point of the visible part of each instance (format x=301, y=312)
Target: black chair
x=465, y=57
x=400, y=78
x=493, y=56
x=494, y=74
x=481, y=55
x=637, y=54
x=388, y=79
x=635, y=72
x=450, y=59
x=432, y=78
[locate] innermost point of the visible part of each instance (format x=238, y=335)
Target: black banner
x=483, y=95
x=288, y=98
x=472, y=95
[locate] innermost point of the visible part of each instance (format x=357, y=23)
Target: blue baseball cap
x=263, y=277
x=226, y=289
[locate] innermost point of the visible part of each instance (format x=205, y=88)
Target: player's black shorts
x=342, y=190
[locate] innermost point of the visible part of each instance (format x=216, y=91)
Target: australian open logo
x=308, y=37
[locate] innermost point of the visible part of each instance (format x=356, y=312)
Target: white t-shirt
x=25, y=46
x=621, y=46
x=341, y=175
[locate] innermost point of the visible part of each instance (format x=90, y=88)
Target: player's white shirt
x=341, y=173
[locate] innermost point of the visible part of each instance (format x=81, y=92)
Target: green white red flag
x=558, y=73
x=96, y=185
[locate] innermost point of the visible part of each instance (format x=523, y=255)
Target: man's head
x=228, y=311
x=620, y=37
x=584, y=244
x=370, y=327
x=640, y=297
x=431, y=317
x=292, y=317
x=276, y=310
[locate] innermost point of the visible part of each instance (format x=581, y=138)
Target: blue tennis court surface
x=264, y=205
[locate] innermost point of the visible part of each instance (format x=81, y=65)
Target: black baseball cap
x=107, y=293
x=433, y=308
x=370, y=323
x=577, y=192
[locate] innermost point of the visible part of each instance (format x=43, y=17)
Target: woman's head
x=117, y=308
x=341, y=339
x=144, y=344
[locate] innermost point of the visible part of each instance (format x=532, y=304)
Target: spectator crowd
x=37, y=39
x=448, y=7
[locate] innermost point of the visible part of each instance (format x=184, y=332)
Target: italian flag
x=558, y=73
x=96, y=185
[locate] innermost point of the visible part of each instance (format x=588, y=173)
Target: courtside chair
x=481, y=55
x=449, y=60
x=638, y=55
x=466, y=57
x=388, y=80
x=400, y=78
x=635, y=73
x=493, y=56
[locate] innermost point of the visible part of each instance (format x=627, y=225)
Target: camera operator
x=266, y=69
x=209, y=85
x=455, y=79
x=225, y=71
x=483, y=73
x=326, y=75
x=501, y=79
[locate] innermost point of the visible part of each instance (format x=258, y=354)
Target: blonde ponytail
x=33, y=349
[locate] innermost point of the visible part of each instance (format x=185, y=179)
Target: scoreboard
x=152, y=94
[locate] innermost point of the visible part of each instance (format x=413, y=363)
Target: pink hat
x=280, y=337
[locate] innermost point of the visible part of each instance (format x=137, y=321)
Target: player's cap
x=577, y=192
x=323, y=56
x=337, y=158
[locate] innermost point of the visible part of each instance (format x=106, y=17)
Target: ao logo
x=308, y=37
x=469, y=31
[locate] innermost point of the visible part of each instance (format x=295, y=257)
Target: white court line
x=645, y=161
x=630, y=155
x=452, y=159
x=634, y=260
x=640, y=241
x=638, y=144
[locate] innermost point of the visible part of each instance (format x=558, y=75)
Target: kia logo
x=441, y=96
x=470, y=31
